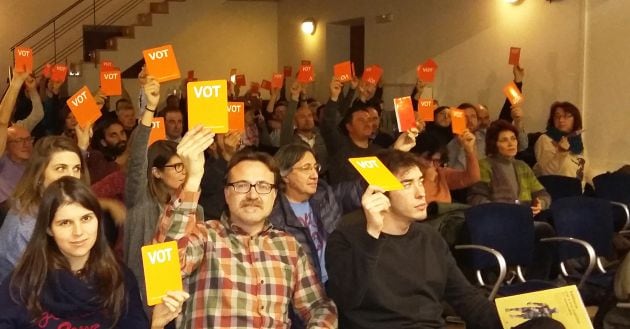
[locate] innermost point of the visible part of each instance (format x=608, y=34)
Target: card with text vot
x=515, y=56
x=277, y=80
x=111, y=83
x=207, y=105
x=563, y=304
x=513, y=94
x=161, y=63
x=426, y=71
x=58, y=73
x=84, y=108
x=158, y=131
x=305, y=75
x=236, y=116
x=375, y=173
x=458, y=121
x=405, y=117
x=372, y=74
x=344, y=71
x=107, y=65
x=162, y=272
x=426, y=108
x=23, y=59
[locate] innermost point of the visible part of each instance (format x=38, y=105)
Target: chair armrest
x=592, y=258
x=500, y=261
x=626, y=211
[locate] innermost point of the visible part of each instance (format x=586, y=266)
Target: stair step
x=144, y=19
x=159, y=7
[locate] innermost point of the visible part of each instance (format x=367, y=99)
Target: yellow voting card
x=561, y=304
x=375, y=173
x=207, y=104
x=162, y=272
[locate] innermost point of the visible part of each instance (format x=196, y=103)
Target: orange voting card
x=254, y=87
x=83, y=106
x=458, y=121
x=372, y=74
x=23, y=59
x=405, y=116
x=162, y=272
x=58, y=73
x=426, y=73
x=288, y=71
x=47, y=70
x=305, y=75
x=158, y=130
x=515, y=56
x=513, y=94
x=207, y=104
x=107, y=65
x=236, y=116
x=426, y=106
x=344, y=71
x=111, y=83
x=239, y=79
x=375, y=173
x=277, y=80
x=161, y=63
x=265, y=84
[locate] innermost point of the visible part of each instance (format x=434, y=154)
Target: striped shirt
x=238, y=281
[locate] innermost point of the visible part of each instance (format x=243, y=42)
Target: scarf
x=575, y=140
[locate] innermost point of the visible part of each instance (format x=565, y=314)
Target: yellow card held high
x=375, y=173
x=207, y=105
x=162, y=271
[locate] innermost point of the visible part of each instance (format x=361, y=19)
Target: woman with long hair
x=68, y=275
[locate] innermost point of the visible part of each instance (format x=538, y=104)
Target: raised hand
x=467, y=140
x=375, y=204
x=406, y=141
x=83, y=136
x=518, y=72
x=191, y=151
x=296, y=89
x=152, y=92
x=335, y=89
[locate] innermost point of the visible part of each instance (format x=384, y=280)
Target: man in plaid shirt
x=240, y=272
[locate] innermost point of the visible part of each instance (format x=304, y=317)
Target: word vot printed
x=375, y=173
x=84, y=107
x=162, y=271
x=23, y=59
x=161, y=63
x=111, y=83
x=344, y=71
x=236, y=116
x=426, y=106
x=372, y=74
x=158, y=131
x=207, y=104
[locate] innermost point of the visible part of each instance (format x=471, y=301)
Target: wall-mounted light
x=308, y=26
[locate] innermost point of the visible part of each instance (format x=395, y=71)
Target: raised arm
x=506, y=110
x=286, y=130
x=458, y=179
x=330, y=131
x=7, y=105
x=37, y=110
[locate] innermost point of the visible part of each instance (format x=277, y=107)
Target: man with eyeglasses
x=240, y=271
x=19, y=148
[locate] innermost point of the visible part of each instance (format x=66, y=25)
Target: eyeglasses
x=563, y=116
x=244, y=187
x=179, y=167
x=308, y=167
x=27, y=140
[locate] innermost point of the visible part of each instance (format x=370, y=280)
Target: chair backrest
x=561, y=186
x=585, y=218
x=508, y=228
x=613, y=187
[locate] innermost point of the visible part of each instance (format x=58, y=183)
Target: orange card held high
x=513, y=94
x=372, y=74
x=111, y=84
x=277, y=80
x=305, y=75
x=158, y=131
x=375, y=173
x=207, y=105
x=426, y=71
x=23, y=59
x=236, y=116
x=84, y=108
x=426, y=106
x=458, y=121
x=515, y=56
x=162, y=271
x=405, y=116
x=344, y=71
x=58, y=73
x=161, y=63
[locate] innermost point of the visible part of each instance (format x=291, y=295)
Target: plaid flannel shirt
x=238, y=281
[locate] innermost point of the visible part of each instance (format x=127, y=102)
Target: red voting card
x=47, y=70
x=23, y=59
x=458, y=121
x=158, y=130
x=84, y=108
x=254, y=87
x=236, y=116
x=111, y=83
x=426, y=108
x=305, y=75
x=277, y=80
x=288, y=71
x=344, y=71
x=161, y=63
x=426, y=72
x=513, y=94
x=405, y=116
x=240, y=80
x=372, y=74
x=107, y=65
x=265, y=84
x=58, y=73
x=515, y=56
